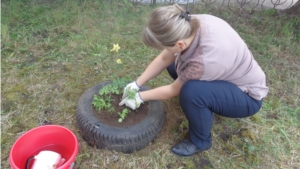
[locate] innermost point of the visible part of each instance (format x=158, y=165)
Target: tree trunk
x=294, y=10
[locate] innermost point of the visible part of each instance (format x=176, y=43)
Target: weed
x=183, y=125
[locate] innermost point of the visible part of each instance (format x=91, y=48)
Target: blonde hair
x=165, y=27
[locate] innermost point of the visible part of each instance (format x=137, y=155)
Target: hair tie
x=186, y=15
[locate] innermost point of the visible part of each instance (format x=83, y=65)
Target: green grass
x=53, y=52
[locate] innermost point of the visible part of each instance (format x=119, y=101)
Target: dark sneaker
x=187, y=148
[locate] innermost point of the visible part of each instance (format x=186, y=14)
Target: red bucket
x=49, y=137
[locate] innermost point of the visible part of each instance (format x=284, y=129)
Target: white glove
x=132, y=103
x=131, y=86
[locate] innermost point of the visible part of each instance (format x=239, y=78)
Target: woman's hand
x=132, y=103
x=130, y=87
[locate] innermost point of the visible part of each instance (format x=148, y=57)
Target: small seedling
x=131, y=93
x=99, y=103
x=103, y=100
x=111, y=110
x=123, y=114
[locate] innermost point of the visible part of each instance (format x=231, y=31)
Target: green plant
x=183, y=126
x=103, y=100
x=98, y=103
x=111, y=110
x=123, y=114
x=113, y=88
x=101, y=103
x=131, y=94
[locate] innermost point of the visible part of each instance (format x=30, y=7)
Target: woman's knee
x=190, y=90
x=199, y=92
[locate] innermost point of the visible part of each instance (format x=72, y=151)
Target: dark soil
x=132, y=118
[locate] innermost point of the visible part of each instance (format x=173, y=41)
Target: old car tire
x=127, y=139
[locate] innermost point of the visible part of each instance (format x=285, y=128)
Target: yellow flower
x=115, y=48
x=119, y=61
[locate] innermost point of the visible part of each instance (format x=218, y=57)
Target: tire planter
x=123, y=139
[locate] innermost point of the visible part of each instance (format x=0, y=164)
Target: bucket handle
x=28, y=162
x=71, y=166
x=30, y=158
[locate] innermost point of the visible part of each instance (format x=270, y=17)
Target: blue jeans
x=198, y=99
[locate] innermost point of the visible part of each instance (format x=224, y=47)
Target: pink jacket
x=219, y=53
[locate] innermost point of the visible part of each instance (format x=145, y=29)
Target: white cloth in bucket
x=47, y=160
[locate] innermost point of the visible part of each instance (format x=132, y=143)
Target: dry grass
x=49, y=52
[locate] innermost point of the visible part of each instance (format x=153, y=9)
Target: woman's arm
x=162, y=61
x=163, y=92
